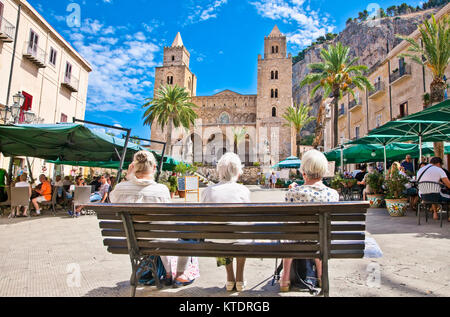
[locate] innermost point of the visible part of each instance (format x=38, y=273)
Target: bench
x=324, y=231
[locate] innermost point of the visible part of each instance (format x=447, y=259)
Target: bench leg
x=325, y=280
x=133, y=280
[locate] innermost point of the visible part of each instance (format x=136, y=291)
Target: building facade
x=38, y=62
x=400, y=85
x=222, y=115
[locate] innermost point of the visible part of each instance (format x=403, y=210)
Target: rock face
x=370, y=41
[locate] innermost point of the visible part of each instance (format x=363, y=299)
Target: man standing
x=273, y=180
x=408, y=165
x=433, y=172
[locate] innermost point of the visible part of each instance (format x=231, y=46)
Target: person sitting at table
x=408, y=165
x=41, y=193
x=433, y=172
x=228, y=190
x=140, y=188
x=314, y=168
x=97, y=197
x=22, y=183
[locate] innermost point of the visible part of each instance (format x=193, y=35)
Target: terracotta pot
x=397, y=207
x=172, y=195
x=375, y=200
x=182, y=194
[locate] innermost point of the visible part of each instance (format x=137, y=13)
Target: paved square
x=39, y=256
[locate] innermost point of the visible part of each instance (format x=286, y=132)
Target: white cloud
x=310, y=23
x=123, y=66
x=204, y=10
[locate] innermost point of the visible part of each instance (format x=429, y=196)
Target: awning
x=63, y=142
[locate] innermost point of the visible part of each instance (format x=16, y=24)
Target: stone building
x=400, y=85
x=267, y=140
x=38, y=62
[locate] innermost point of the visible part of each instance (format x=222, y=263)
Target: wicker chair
x=427, y=188
x=52, y=202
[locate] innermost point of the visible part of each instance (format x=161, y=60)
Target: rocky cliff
x=370, y=41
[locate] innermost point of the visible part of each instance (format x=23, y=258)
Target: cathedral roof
x=227, y=92
x=178, y=41
x=275, y=32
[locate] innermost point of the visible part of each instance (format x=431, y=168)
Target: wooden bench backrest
x=141, y=228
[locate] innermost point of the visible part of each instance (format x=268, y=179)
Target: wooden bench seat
x=302, y=231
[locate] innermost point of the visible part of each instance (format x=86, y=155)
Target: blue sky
x=124, y=40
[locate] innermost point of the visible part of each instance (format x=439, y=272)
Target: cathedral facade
x=267, y=139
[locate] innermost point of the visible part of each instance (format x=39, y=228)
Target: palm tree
x=238, y=136
x=336, y=75
x=171, y=108
x=298, y=117
x=434, y=53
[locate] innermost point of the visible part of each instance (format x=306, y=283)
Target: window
x=53, y=54
x=403, y=110
x=274, y=74
x=63, y=118
x=33, y=44
x=170, y=80
x=273, y=49
x=272, y=93
x=274, y=112
x=173, y=58
x=357, y=132
x=276, y=49
x=276, y=93
x=378, y=120
x=68, y=74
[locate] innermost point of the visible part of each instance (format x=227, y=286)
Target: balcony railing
x=355, y=103
x=6, y=30
x=401, y=73
x=71, y=83
x=380, y=88
x=34, y=54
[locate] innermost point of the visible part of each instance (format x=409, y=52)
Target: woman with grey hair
x=226, y=191
x=314, y=167
x=141, y=188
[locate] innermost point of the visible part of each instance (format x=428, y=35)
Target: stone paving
x=40, y=255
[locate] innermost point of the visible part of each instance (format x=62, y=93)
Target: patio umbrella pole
x=29, y=168
x=122, y=159
x=420, y=147
x=385, y=160
x=342, y=159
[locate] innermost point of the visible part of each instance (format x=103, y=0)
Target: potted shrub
x=279, y=184
x=396, y=198
x=375, y=184
x=173, y=186
x=336, y=182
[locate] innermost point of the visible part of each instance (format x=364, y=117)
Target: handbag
x=304, y=275
x=147, y=277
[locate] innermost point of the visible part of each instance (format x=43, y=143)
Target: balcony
x=400, y=74
x=71, y=83
x=380, y=89
x=354, y=104
x=6, y=31
x=34, y=54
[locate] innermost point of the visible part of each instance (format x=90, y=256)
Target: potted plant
x=375, y=185
x=336, y=182
x=426, y=100
x=396, y=199
x=172, y=185
x=279, y=184
x=181, y=169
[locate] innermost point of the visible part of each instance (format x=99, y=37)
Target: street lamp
x=11, y=114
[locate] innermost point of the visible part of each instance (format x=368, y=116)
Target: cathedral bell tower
x=275, y=95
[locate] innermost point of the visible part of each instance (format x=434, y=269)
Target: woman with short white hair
x=314, y=167
x=141, y=188
x=227, y=191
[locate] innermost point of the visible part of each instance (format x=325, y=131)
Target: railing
x=401, y=72
x=34, y=53
x=71, y=82
x=379, y=87
x=6, y=29
x=354, y=103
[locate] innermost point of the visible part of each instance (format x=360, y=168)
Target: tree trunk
x=336, y=95
x=437, y=95
x=169, y=138
x=298, y=139
x=320, y=126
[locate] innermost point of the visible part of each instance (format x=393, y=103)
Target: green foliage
x=257, y=164
x=320, y=40
x=173, y=184
x=395, y=186
x=336, y=182
x=307, y=140
x=298, y=116
x=182, y=169
x=375, y=182
x=435, y=37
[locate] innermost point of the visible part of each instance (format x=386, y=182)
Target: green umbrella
x=439, y=112
x=421, y=129
x=290, y=162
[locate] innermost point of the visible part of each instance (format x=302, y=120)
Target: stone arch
x=224, y=118
x=194, y=148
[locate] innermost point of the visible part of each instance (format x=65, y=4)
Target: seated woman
x=141, y=188
x=22, y=183
x=314, y=167
x=227, y=190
